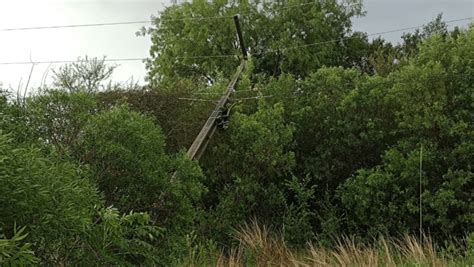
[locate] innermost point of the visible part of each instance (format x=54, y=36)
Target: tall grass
x=258, y=247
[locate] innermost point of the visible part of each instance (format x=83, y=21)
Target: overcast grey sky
x=121, y=42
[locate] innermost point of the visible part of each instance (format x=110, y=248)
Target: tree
x=58, y=117
x=85, y=75
x=269, y=29
x=431, y=97
x=412, y=41
x=125, y=151
x=52, y=198
x=180, y=120
x=248, y=180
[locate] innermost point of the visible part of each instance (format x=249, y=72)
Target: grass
x=258, y=247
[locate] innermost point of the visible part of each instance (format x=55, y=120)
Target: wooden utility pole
x=202, y=140
x=207, y=131
x=239, y=35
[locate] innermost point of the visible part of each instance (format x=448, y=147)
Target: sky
x=121, y=42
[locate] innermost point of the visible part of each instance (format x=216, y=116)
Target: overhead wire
x=197, y=99
x=108, y=23
x=195, y=57
x=305, y=4
x=137, y=21
x=211, y=56
x=232, y=99
x=106, y=59
x=76, y=25
x=68, y=61
x=252, y=97
x=235, y=91
x=282, y=49
x=297, y=94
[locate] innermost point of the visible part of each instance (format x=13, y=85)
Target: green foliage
x=44, y=188
x=58, y=117
x=267, y=26
x=297, y=224
x=470, y=246
x=119, y=240
x=87, y=75
x=126, y=153
x=267, y=136
x=429, y=97
x=350, y=117
x=384, y=58
x=60, y=205
x=412, y=41
x=51, y=197
x=358, y=137
x=13, y=252
x=248, y=180
x=13, y=119
x=179, y=119
x=392, y=210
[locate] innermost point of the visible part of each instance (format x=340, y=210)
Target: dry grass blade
x=264, y=248
x=420, y=252
x=234, y=259
x=348, y=253
x=257, y=247
x=319, y=257
x=387, y=250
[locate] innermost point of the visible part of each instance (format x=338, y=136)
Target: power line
x=138, y=21
x=67, y=61
x=419, y=26
x=292, y=6
x=234, y=55
x=109, y=23
x=197, y=18
x=111, y=59
x=252, y=97
x=235, y=92
x=352, y=37
x=197, y=99
x=216, y=56
x=303, y=4
x=77, y=25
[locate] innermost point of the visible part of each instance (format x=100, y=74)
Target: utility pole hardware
x=202, y=140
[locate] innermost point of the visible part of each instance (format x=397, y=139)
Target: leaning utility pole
x=239, y=35
x=202, y=140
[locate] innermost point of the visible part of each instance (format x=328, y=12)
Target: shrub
x=13, y=251
x=52, y=198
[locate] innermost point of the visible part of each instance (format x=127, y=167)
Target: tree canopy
x=329, y=134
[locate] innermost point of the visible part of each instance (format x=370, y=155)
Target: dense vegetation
x=332, y=141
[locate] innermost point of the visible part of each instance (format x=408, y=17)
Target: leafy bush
x=119, y=240
x=13, y=119
x=297, y=223
x=247, y=181
x=430, y=109
x=52, y=198
x=324, y=151
x=13, y=251
x=125, y=151
x=58, y=117
x=179, y=120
